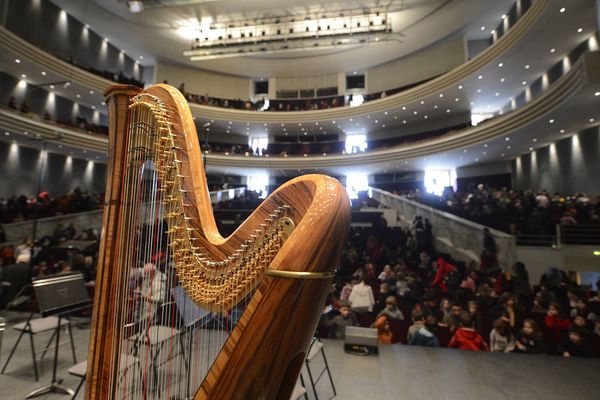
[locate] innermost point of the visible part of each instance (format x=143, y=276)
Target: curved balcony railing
x=582, y=73
x=24, y=49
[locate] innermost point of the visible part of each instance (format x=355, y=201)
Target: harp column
x=101, y=355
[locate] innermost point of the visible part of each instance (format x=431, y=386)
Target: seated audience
x=467, y=338
x=502, y=339
x=530, y=340
x=424, y=335
x=575, y=345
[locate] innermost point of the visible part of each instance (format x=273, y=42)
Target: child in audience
x=453, y=320
x=502, y=339
x=575, y=345
x=556, y=322
x=384, y=332
x=391, y=309
x=418, y=322
x=530, y=340
x=338, y=324
x=424, y=335
x=467, y=338
x=581, y=308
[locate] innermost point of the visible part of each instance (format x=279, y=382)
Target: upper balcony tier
x=467, y=88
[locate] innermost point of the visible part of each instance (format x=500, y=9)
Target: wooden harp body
x=180, y=311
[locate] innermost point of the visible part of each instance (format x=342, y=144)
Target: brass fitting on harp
x=277, y=273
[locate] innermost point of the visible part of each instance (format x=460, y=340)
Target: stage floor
x=398, y=372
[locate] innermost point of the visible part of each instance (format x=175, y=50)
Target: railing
x=457, y=236
x=580, y=234
x=575, y=234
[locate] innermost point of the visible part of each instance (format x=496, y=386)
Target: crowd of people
x=394, y=280
x=45, y=256
x=319, y=103
x=17, y=208
x=515, y=211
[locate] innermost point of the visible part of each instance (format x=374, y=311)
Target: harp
x=180, y=311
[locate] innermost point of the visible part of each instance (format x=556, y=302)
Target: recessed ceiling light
x=404, y=122
x=404, y=107
x=508, y=147
x=92, y=92
x=465, y=150
x=507, y=139
x=425, y=117
x=7, y=133
x=385, y=113
x=562, y=131
x=23, y=76
x=552, y=50
x=51, y=86
x=483, y=28
x=534, y=140
x=448, y=110
x=531, y=149
x=500, y=65
x=478, y=90
x=503, y=16
x=591, y=119
x=497, y=94
x=502, y=79
x=43, y=73
x=551, y=120
x=477, y=159
x=435, y=107
x=524, y=83
x=103, y=103
x=457, y=99
x=562, y=10
x=502, y=155
x=484, y=153
x=527, y=66
x=597, y=94
x=460, y=87
x=485, y=145
x=480, y=77
x=580, y=30
x=441, y=94
x=78, y=95
x=472, y=103
x=422, y=102
x=17, y=60
x=415, y=112
x=493, y=31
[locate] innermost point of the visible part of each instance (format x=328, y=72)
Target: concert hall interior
x=308, y=199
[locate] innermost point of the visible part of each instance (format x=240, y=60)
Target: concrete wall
x=424, y=64
x=202, y=82
x=20, y=166
x=554, y=167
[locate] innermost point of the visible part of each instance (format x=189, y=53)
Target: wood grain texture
x=264, y=353
x=100, y=357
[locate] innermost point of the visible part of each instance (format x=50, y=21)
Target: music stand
x=58, y=295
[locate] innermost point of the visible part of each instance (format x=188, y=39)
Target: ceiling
x=153, y=32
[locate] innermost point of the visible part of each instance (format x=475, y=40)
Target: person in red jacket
x=556, y=323
x=467, y=338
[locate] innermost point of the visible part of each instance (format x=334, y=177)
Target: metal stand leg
x=55, y=385
x=71, y=339
x=12, y=352
x=78, y=388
